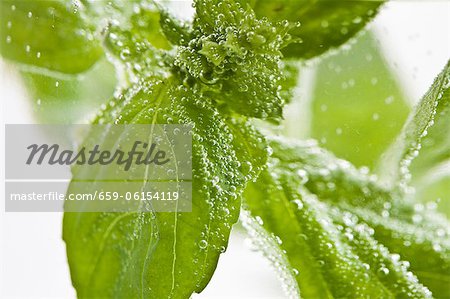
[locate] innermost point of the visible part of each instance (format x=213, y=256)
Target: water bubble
x=349, y=236
x=202, y=244
x=259, y=220
x=383, y=271
x=395, y=257
x=437, y=247
x=303, y=176
x=375, y=116
x=278, y=240
x=125, y=54
x=299, y=204
x=389, y=100
x=357, y=20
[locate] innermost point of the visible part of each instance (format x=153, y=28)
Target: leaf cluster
x=335, y=231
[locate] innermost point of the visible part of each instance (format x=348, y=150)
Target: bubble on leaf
x=202, y=244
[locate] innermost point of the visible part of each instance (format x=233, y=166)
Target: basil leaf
x=430, y=169
x=432, y=109
x=235, y=57
x=328, y=259
x=70, y=100
x=133, y=37
x=324, y=24
x=435, y=193
x=348, y=214
x=356, y=97
x=167, y=255
x=139, y=18
x=48, y=34
x=435, y=146
x=176, y=31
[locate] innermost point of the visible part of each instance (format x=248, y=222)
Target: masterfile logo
x=98, y=168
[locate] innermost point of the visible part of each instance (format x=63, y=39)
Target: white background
x=415, y=39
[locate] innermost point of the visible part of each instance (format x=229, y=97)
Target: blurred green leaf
x=357, y=107
x=325, y=24
x=48, y=34
x=70, y=100
x=436, y=193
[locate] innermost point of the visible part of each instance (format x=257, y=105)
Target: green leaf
x=356, y=97
x=167, y=255
x=329, y=266
x=324, y=24
x=235, y=57
x=47, y=34
x=419, y=131
x=436, y=193
x=346, y=235
x=133, y=37
x=73, y=99
x=430, y=169
x=138, y=19
x=435, y=146
x=176, y=31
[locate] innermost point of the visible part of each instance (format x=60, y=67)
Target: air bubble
x=202, y=244
x=383, y=271
x=375, y=116
x=298, y=203
x=324, y=24
x=389, y=100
